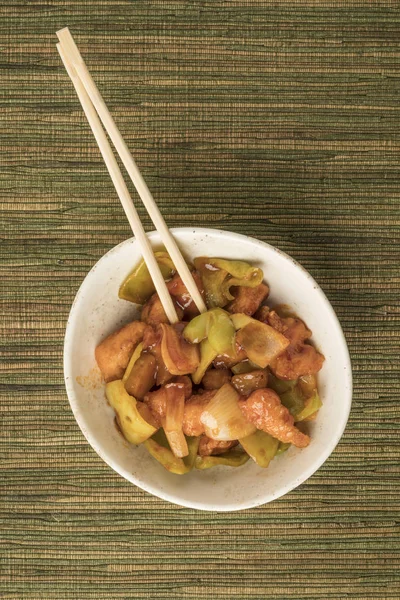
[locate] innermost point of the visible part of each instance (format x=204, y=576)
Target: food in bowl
x=219, y=388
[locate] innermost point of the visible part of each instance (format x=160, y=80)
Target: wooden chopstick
x=121, y=189
x=71, y=51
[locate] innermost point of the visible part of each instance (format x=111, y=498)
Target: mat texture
x=276, y=119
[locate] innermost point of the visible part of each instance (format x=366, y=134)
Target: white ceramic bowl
x=97, y=311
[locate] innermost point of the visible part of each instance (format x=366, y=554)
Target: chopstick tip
x=62, y=31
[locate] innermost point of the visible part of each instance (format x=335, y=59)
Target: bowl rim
x=305, y=474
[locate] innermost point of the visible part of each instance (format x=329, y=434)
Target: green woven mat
x=275, y=119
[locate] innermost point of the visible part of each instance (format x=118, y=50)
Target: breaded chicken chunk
x=113, y=353
x=264, y=409
x=248, y=300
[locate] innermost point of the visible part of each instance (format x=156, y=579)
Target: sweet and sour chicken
x=234, y=383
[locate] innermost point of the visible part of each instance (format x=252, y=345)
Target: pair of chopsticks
x=98, y=117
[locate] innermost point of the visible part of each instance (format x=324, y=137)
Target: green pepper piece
x=256, y=278
x=212, y=279
x=282, y=448
x=221, y=334
x=138, y=285
x=229, y=459
x=293, y=400
x=216, y=325
x=219, y=275
x=280, y=386
x=260, y=446
x=160, y=438
x=207, y=355
x=299, y=405
x=239, y=269
x=197, y=329
x=242, y=274
x=159, y=449
x=311, y=406
x=193, y=446
x=295, y=396
x=133, y=426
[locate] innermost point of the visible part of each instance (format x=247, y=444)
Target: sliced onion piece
x=222, y=419
x=175, y=408
x=178, y=355
x=261, y=343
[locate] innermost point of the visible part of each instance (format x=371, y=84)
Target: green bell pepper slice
x=301, y=400
x=159, y=449
x=134, y=428
x=299, y=405
x=138, y=286
x=261, y=447
x=280, y=386
x=216, y=325
x=311, y=406
x=229, y=459
x=219, y=275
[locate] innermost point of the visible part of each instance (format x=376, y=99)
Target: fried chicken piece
x=215, y=378
x=299, y=358
x=194, y=408
x=262, y=314
x=150, y=339
x=113, y=353
x=157, y=400
x=178, y=290
x=153, y=312
x=208, y=447
x=264, y=409
x=292, y=328
x=247, y=300
x=292, y=364
x=297, y=331
x=275, y=321
x=192, y=426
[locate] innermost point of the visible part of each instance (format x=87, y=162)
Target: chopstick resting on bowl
x=122, y=191
x=96, y=112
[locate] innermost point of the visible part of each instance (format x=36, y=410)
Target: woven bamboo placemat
x=275, y=119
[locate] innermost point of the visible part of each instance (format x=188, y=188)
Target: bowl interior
x=97, y=311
